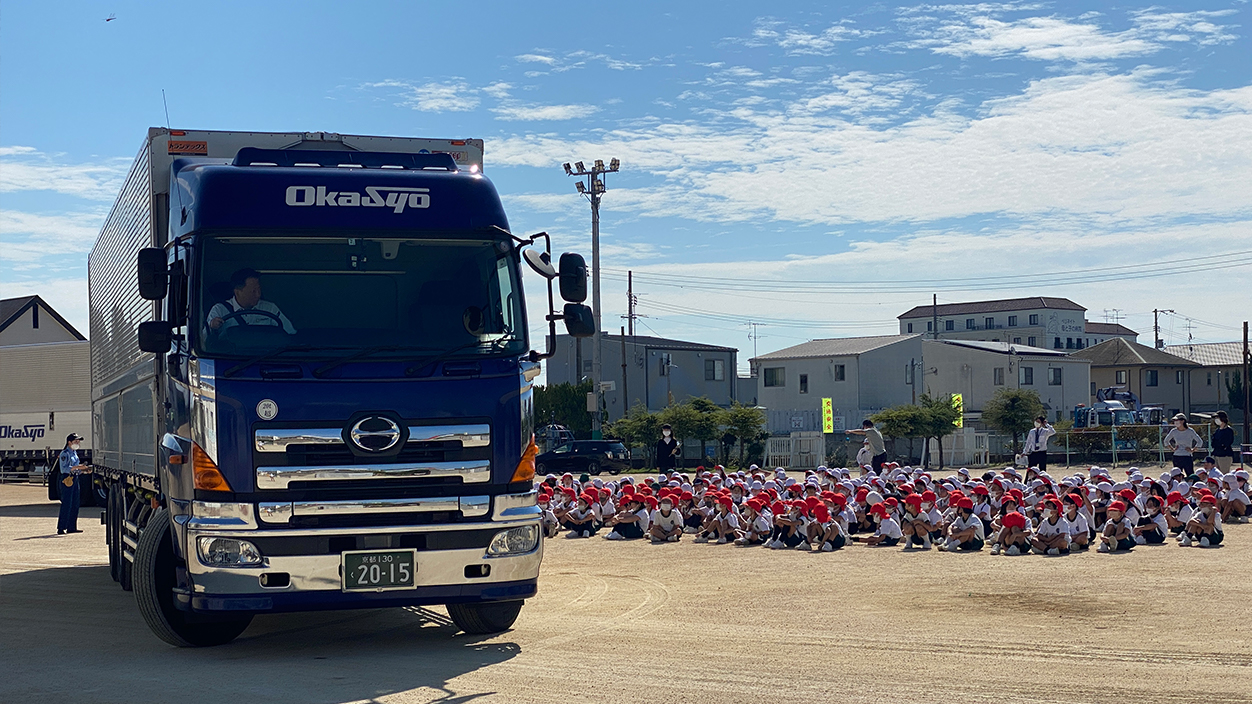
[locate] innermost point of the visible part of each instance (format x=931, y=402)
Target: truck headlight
x=514, y=541
x=228, y=552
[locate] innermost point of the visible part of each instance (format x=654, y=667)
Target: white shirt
x=1237, y=495
x=888, y=528
x=1125, y=522
x=1159, y=521
x=1184, y=513
x=666, y=523
x=1183, y=441
x=961, y=524
x=644, y=519
x=732, y=520
x=221, y=310
x=761, y=525
x=1078, y=525
x=1037, y=439
x=1048, y=529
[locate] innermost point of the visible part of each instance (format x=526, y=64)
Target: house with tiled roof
x=1034, y=321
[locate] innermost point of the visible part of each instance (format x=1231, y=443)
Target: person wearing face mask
x=666, y=449
x=67, y=521
x=1036, y=447
x=1223, y=442
x=1184, y=441
x=1205, y=527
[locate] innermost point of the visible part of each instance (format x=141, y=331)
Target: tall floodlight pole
x=591, y=185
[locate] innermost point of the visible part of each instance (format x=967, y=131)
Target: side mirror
x=540, y=261
x=579, y=320
x=573, y=278
x=155, y=336
x=153, y=273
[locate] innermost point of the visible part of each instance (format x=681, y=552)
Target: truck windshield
x=325, y=297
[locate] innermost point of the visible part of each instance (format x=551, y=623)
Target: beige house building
x=1157, y=378
x=1036, y=321
x=1220, y=363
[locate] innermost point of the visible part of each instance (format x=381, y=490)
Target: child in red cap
x=1151, y=528
x=758, y=524
x=1014, y=536
x=1177, y=513
x=551, y=526
x=1205, y=527
x=723, y=526
x=580, y=521
x=666, y=524
x=824, y=531
x=1117, y=533
x=1052, y=533
x=887, y=532
x=789, y=525
x=1079, y=529
x=965, y=532
x=631, y=522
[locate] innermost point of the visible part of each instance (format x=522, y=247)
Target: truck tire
x=482, y=619
x=154, y=592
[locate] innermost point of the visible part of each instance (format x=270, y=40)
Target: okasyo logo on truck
x=13, y=432
x=393, y=197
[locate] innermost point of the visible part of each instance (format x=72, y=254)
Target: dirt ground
x=673, y=623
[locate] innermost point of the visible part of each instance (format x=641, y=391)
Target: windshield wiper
x=496, y=344
x=365, y=353
x=271, y=354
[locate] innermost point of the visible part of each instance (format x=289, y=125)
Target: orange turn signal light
x=204, y=470
x=525, y=471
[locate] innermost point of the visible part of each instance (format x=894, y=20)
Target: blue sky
x=820, y=168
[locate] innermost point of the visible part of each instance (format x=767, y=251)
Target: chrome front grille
x=280, y=439
x=470, y=472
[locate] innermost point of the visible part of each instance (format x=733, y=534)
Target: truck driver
x=245, y=307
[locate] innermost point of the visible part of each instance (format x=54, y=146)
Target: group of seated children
x=828, y=508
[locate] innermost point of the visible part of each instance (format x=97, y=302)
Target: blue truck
x=312, y=380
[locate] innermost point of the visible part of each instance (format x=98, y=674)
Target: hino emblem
x=392, y=197
x=375, y=434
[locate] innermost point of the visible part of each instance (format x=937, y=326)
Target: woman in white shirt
x=1036, y=447
x=1184, y=441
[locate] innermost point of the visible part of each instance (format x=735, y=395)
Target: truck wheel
x=487, y=618
x=154, y=592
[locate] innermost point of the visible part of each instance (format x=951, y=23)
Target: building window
x=1034, y=319
x=930, y=327
x=908, y=374
x=775, y=376
x=998, y=376
x=34, y=316
x=1120, y=376
x=990, y=322
x=1012, y=321
x=838, y=370
x=804, y=383
x=1069, y=343
x=1031, y=341
x=910, y=327
x=666, y=363
x=587, y=367
x=1150, y=378
x=714, y=370
x=969, y=323
x=1054, y=376
x=1093, y=388
x=949, y=325
x=1027, y=376
x=1057, y=343
x=1208, y=381
x=1178, y=377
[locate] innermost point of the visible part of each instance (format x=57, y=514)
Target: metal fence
x=1112, y=446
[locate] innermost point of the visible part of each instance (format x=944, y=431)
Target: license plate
x=378, y=570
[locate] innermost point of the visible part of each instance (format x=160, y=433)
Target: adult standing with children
x=1036, y=447
x=1184, y=441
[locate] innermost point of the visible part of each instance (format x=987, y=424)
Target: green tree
x=905, y=421
x=939, y=418
x=708, y=424
x=638, y=428
x=1012, y=411
x=746, y=424
x=1234, y=389
x=565, y=404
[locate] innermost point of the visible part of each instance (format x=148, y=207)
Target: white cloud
x=536, y=59
x=31, y=237
x=1185, y=26
x=543, y=112
x=28, y=169
x=447, y=96
x=1116, y=147
x=498, y=90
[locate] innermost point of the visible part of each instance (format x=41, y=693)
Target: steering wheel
x=250, y=311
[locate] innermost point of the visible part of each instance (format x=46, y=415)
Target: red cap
x=1174, y=498
x=605, y=493
x=965, y=503
x=980, y=490
x=812, y=501
x=892, y=501
x=839, y=500
x=651, y=501
x=913, y=499
x=1010, y=497
x=861, y=494
x=1117, y=506
x=820, y=513
x=880, y=509
x=928, y=497
x=628, y=489
x=1074, y=499
x=1128, y=495
x=725, y=501
x=778, y=507
x=1013, y=519
x=1208, y=499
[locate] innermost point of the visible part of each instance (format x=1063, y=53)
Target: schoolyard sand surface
x=632, y=622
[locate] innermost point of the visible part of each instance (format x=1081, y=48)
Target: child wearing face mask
x=1052, y=533
x=1079, y=528
x=1205, y=527
x=666, y=523
x=1152, y=526
x=1116, y=535
x=966, y=531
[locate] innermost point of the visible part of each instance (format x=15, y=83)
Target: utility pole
x=934, y=314
x=625, y=389
x=591, y=185
x=1247, y=398
x=631, y=301
x=1156, y=327
x=753, y=335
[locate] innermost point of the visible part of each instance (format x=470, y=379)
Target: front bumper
x=313, y=581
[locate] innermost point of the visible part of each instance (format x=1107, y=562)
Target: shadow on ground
x=79, y=614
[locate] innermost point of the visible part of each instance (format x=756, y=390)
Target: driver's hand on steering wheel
x=215, y=323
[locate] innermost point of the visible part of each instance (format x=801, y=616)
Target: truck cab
x=341, y=376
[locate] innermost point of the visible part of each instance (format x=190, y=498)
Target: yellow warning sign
x=958, y=402
x=828, y=416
